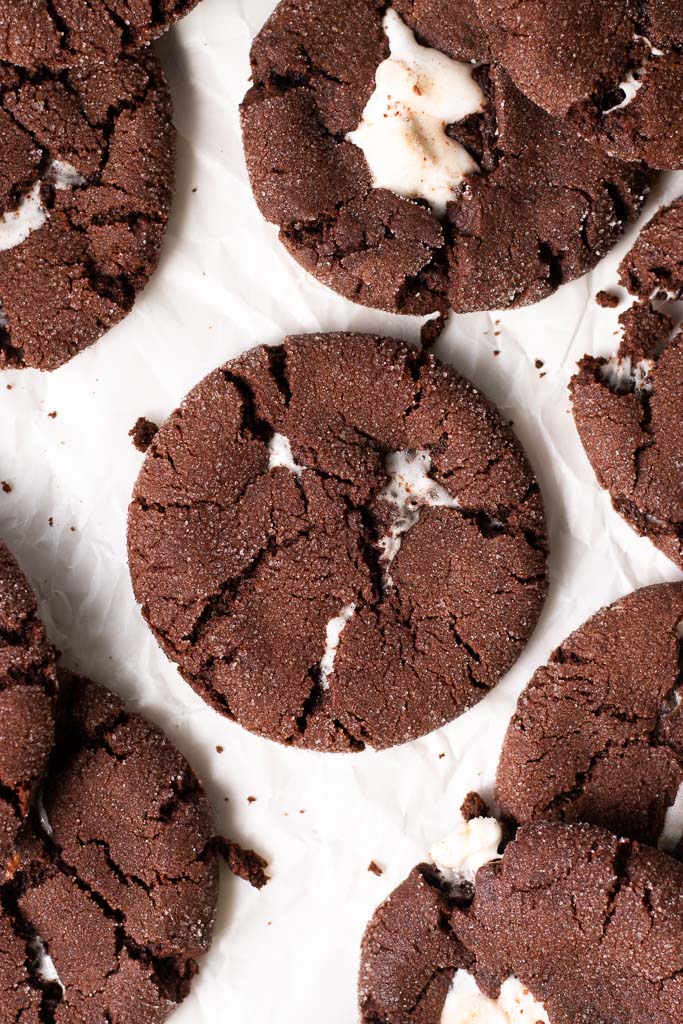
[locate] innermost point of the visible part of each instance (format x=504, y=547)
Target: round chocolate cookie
x=614, y=69
x=115, y=896
x=28, y=687
x=628, y=411
x=598, y=733
x=571, y=925
x=86, y=180
x=339, y=542
x=64, y=33
x=654, y=266
x=531, y=206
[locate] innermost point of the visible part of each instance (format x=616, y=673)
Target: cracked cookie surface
x=628, y=411
x=118, y=881
x=598, y=733
x=28, y=687
x=592, y=927
x=244, y=567
x=64, y=33
x=88, y=167
x=614, y=69
x=501, y=243
x=654, y=266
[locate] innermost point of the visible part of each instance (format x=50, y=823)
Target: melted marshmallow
x=44, y=964
x=15, y=227
x=633, y=82
x=672, y=833
x=418, y=92
x=470, y=845
x=467, y=1004
x=335, y=628
x=280, y=450
x=410, y=489
x=623, y=374
x=30, y=215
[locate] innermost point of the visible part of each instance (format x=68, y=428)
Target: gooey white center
x=467, y=1004
x=418, y=92
x=464, y=850
x=30, y=215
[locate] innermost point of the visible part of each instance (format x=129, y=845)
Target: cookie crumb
x=496, y=351
x=246, y=864
x=608, y=300
x=51, y=521
x=219, y=750
x=374, y=867
x=539, y=364
x=7, y=487
x=432, y=330
x=143, y=433
x=441, y=756
x=52, y=415
x=474, y=806
x=251, y=799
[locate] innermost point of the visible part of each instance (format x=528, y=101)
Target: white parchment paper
x=289, y=953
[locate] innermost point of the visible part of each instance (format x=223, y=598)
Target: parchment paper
x=290, y=952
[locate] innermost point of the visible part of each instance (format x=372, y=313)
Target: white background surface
x=289, y=953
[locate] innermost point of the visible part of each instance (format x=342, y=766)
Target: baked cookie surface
x=494, y=239
x=28, y=688
x=598, y=737
x=572, y=924
x=339, y=542
x=86, y=181
x=614, y=69
x=65, y=33
x=114, y=897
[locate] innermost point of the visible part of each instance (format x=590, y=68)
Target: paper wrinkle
x=225, y=285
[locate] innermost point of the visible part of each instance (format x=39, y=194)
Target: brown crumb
x=251, y=799
x=6, y=486
x=302, y=812
x=73, y=529
x=607, y=300
x=496, y=351
x=246, y=864
x=432, y=331
x=442, y=755
x=474, y=806
x=9, y=387
x=143, y=433
x=52, y=415
x=539, y=364
x=51, y=521
x=374, y=867
x=219, y=750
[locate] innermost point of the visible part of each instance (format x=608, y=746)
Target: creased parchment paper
x=290, y=952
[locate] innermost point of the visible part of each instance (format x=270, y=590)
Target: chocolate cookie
x=614, y=69
x=655, y=263
x=28, y=686
x=339, y=542
x=86, y=180
x=521, y=203
x=628, y=412
x=64, y=33
x=572, y=924
x=116, y=892
x=597, y=736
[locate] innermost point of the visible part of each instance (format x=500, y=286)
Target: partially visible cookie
x=571, y=925
x=613, y=69
x=339, y=541
x=598, y=732
x=86, y=181
x=62, y=33
x=28, y=687
x=119, y=884
x=628, y=413
x=655, y=263
x=534, y=207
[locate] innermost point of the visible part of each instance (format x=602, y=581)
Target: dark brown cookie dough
x=544, y=209
x=241, y=567
x=28, y=687
x=628, y=411
x=572, y=59
x=119, y=883
x=598, y=733
x=143, y=433
x=592, y=927
x=66, y=33
x=655, y=263
x=78, y=273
